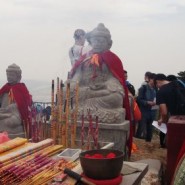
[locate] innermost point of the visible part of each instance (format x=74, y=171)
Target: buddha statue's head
x=13, y=73
x=79, y=36
x=99, y=38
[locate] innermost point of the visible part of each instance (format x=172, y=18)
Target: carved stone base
x=116, y=133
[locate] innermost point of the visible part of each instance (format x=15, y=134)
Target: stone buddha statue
x=15, y=101
x=101, y=80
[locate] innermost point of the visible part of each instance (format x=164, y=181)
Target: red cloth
x=175, y=144
x=179, y=161
x=115, y=181
x=181, y=153
x=4, y=137
x=21, y=96
x=115, y=65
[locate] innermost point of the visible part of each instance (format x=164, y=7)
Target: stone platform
x=155, y=171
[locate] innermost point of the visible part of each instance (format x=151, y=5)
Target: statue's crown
x=13, y=67
x=100, y=30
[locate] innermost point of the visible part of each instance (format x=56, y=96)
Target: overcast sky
x=148, y=35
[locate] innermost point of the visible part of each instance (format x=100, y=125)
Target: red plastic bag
x=4, y=137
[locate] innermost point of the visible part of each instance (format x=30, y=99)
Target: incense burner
x=102, y=168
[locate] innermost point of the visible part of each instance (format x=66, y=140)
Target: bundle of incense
x=12, y=144
x=92, y=132
x=61, y=171
x=67, y=112
x=20, y=172
x=96, y=133
x=72, y=130
x=17, y=148
x=48, y=151
x=57, y=111
x=47, y=173
x=34, y=123
x=82, y=132
x=89, y=131
x=60, y=111
x=11, y=157
x=53, y=129
x=76, y=108
x=64, y=130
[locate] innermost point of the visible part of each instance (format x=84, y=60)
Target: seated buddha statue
x=101, y=80
x=15, y=102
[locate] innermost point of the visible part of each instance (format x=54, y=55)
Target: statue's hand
x=4, y=113
x=97, y=86
x=9, y=111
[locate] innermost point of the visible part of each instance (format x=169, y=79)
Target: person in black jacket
x=167, y=98
x=146, y=99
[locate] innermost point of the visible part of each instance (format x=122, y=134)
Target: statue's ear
x=19, y=76
x=110, y=44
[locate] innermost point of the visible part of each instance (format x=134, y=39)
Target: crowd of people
x=158, y=98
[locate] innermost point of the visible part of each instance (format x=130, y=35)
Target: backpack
x=180, y=97
x=131, y=88
x=143, y=95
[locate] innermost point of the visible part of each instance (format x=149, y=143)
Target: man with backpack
x=146, y=100
x=170, y=98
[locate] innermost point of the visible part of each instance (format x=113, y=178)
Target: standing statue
x=79, y=48
x=101, y=80
x=15, y=102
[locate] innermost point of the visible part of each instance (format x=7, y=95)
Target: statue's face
x=12, y=77
x=99, y=44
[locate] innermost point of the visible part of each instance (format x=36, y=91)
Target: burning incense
x=82, y=131
x=67, y=112
x=52, y=111
x=60, y=111
x=76, y=108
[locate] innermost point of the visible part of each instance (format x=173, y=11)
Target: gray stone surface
x=154, y=174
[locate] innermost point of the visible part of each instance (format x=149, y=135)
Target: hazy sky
x=148, y=35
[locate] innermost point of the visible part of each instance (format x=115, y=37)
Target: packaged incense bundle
x=12, y=144
x=30, y=149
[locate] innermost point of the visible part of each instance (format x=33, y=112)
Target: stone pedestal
x=116, y=133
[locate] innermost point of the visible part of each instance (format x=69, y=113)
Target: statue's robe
x=18, y=94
